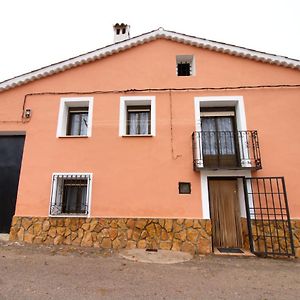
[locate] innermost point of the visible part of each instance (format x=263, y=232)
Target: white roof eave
x=144, y=38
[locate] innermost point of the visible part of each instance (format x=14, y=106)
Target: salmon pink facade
x=109, y=159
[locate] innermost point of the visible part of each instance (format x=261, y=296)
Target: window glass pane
x=77, y=121
x=224, y=124
x=70, y=195
x=138, y=120
x=133, y=123
x=74, y=196
x=74, y=126
x=83, y=203
x=226, y=136
x=209, y=136
x=144, y=123
x=218, y=136
x=84, y=124
x=208, y=124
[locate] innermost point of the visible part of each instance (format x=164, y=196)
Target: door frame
x=205, y=174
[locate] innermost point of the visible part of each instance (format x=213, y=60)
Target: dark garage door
x=11, y=151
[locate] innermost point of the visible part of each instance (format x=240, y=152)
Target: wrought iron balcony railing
x=226, y=150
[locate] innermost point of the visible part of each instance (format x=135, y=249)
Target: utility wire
x=169, y=89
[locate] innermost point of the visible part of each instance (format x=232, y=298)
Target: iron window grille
x=185, y=65
x=77, y=121
x=184, y=69
x=138, y=120
x=70, y=194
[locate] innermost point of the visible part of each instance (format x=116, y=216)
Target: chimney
x=121, y=32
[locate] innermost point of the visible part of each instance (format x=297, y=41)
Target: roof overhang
x=142, y=39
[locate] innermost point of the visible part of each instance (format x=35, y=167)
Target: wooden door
x=225, y=213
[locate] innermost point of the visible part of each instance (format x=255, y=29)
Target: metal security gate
x=269, y=226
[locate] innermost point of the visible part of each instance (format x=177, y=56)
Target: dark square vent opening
x=184, y=187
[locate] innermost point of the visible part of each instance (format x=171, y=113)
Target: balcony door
x=219, y=139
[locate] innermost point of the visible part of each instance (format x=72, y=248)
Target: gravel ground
x=41, y=272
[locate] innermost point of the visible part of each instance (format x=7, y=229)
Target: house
x=162, y=141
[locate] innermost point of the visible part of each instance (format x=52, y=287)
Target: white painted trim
x=220, y=173
x=145, y=38
x=67, y=102
x=215, y=101
x=136, y=101
x=137, y=135
x=54, y=187
x=190, y=58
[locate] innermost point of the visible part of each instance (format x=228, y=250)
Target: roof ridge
x=141, y=39
x=73, y=57
x=233, y=45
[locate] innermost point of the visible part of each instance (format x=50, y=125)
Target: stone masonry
x=296, y=235
x=187, y=235
x=275, y=229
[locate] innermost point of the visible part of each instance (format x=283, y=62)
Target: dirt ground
x=48, y=272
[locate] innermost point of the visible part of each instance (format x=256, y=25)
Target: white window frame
x=67, y=102
x=126, y=101
x=54, y=186
x=217, y=101
x=189, y=58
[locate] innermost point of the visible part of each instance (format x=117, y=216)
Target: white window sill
x=70, y=216
x=73, y=136
x=137, y=135
x=185, y=76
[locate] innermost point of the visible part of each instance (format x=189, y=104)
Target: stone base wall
x=296, y=235
x=193, y=236
x=274, y=228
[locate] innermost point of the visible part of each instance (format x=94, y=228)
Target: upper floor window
x=75, y=117
x=78, y=121
x=219, y=136
x=137, y=116
x=138, y=120
x=185, y=65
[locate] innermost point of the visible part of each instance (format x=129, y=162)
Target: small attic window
x=185, y=65
x=118, y=30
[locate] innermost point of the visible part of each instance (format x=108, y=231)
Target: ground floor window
x=70, y=194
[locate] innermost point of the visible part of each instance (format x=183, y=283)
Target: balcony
x=226, y=150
